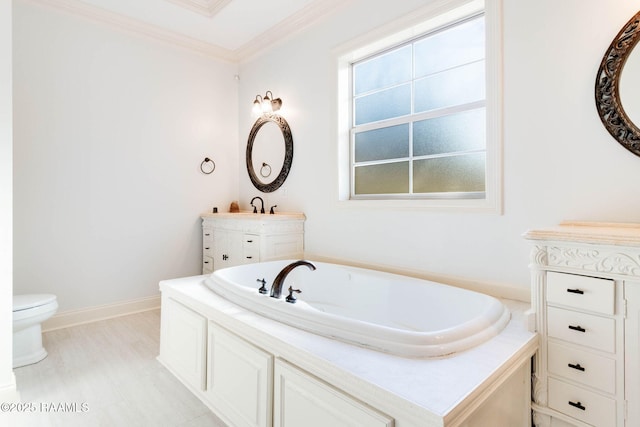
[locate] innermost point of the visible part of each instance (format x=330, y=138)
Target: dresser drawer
x=581, y=292
x=581, y=328
x=582, y=366
x=584, y=405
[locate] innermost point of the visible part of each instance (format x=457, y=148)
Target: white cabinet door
x=302, y=400
x=227, y=248
x=183, y=342
x=632, y=352
x=239, y=380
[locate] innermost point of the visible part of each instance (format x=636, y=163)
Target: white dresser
x=230, y=239
x=586, y=297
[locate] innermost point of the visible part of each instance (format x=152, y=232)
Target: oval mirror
x=609, y=87
x=269, y=152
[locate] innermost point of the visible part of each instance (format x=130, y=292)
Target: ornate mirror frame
x=288, y=152
x=610, y=109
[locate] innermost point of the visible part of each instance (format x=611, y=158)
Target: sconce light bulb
x=266, y=106
x=257, y=108
x=266, y=102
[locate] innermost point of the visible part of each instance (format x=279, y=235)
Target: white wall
x=7, y=382
x=110, y=129
x=559, y=161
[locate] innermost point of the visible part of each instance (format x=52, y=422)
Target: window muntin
x=419, y=117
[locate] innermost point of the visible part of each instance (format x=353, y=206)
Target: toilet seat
x=32, y=305
x=25, y=302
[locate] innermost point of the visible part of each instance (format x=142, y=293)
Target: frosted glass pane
x=457, y=86
x=450, y=174
x=383, y=71
x=459, y=45
x=457, y=132
x=381, y=144
x=385, y=104
x=389, y=178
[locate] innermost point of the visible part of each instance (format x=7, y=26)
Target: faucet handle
x=262, y=289
x=291, y=298
x=271, y=211
x=255, y=210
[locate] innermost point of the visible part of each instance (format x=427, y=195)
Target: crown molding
x=286, y=28
x=204, y=7
x=103, y=16
x=304, y=18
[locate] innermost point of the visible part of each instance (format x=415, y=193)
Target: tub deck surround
x=417, y=392
x=386, y=312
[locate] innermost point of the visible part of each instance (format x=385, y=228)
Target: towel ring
x=265, y=170
x=207, y=166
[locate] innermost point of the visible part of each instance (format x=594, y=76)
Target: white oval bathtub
x=386, y=312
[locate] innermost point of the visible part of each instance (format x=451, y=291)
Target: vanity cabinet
x=230, y=239
x=586, y=297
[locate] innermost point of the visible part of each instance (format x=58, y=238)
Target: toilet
x=29, y=311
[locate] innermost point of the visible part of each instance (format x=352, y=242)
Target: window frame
x=427, y=19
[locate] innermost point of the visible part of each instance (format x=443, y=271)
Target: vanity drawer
x=582, y=366
x=584, y=405
x=207, y=265
x=581, y=328
x=581, y=292
x=251, y=248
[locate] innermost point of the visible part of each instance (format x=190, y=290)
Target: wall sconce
x=267, y=104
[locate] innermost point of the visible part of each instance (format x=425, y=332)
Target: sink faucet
x=255, y=210
x=278, y=282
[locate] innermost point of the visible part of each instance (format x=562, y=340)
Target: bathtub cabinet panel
x=247, y=238
x=302, y=400
x=183, y=342
x=239, y=379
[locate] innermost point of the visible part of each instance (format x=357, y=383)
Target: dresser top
x=606, y=233
x=246, y=215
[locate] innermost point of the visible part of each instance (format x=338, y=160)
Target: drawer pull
x=575, y=291
x=207, y=248
x=249, y=257
x=225, y=257
x=577, y=405
x=577, y=366
x=577, y=328
x=206, y=262
x=249, y=241
x=207, y=234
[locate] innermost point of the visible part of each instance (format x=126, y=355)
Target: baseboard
x=9, y=392
x=70, y=318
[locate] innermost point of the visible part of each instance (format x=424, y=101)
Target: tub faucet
x=278, y=282
x=255, y=210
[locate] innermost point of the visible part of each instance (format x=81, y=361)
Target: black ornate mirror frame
x=288, y=152
x=610, y=108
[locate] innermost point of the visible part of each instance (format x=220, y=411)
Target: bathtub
x=386, y=312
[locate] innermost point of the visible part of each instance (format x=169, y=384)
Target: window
x=420, y=115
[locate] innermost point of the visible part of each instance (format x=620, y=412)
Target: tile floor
x=108, y=373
